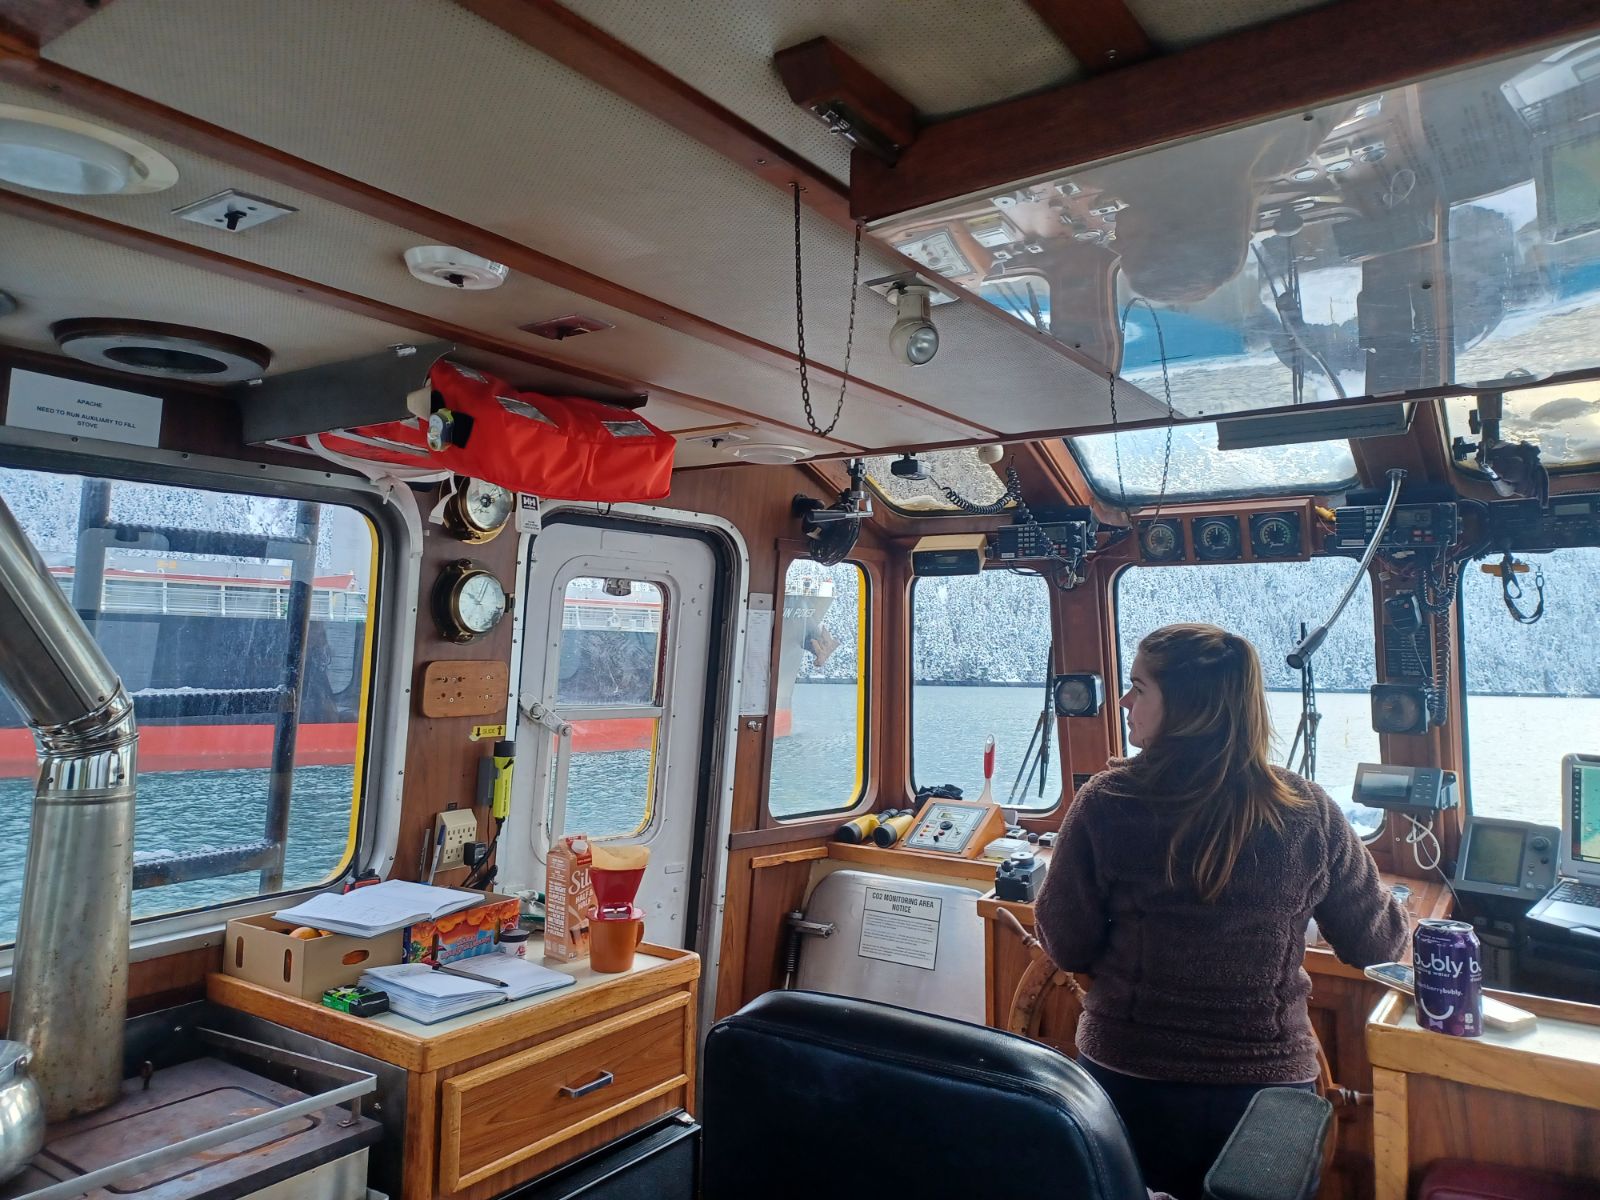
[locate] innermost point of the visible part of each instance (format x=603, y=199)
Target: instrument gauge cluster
x=1275, y=534
x=1216, y=539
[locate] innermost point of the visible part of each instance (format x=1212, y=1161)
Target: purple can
x=1449, y=978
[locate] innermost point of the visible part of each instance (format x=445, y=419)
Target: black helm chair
x=826, y=1098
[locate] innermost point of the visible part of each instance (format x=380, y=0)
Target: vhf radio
x=1069, y=533
x=1424, y=528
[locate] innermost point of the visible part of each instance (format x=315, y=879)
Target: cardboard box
x=260, y=950
x=463, y=934
x=568, y=897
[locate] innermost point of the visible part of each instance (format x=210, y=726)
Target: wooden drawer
x=509, y=1111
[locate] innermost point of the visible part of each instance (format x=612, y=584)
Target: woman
x=1182, y=881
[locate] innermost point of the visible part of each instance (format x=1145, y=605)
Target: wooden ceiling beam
x=821, y=78
x=1334, y=52
x=1101, y=34
x=36, y=23
x=71, y=220
x=100, y=99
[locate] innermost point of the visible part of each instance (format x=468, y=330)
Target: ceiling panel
x=943, y=56
x=1178, y=24
x=438, y=106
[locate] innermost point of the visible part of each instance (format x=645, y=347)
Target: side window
x=610, y=689
x=1533, y=691
x=238, y=624
x=1266, y=603
x=819, y=721
x=980, y=648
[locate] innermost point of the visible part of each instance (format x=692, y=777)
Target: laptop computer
x=1574, y=903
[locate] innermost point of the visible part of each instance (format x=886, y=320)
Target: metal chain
x=1166, y=391
x=800, y=326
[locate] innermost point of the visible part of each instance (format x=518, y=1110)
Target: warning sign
x=900, y=927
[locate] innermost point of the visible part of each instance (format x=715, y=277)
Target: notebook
x=369, y=911
x=417, y=991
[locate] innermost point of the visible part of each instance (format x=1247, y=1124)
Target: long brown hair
x=1210, y=758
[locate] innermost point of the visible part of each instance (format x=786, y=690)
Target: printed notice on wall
x=900, y=927
x=55, y=405
x=757, y=675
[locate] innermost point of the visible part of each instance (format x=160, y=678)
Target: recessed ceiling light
x=161, y=350
x=770, y=454
x=52, y=153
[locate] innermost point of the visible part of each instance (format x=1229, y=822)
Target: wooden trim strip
x=103, y=100
x=1332, y=52
x=790, y=856
x=1101, y=34
x=130, y=237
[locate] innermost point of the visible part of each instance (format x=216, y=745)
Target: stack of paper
x=424, y=994
x=378, y=908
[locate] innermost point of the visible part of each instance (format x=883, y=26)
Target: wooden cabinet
x=501, y=1096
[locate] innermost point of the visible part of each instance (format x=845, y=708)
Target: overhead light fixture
x=446, y=266
x=1313, y=423
x=48, y=152
x=913, y=337
x=769, y=453
x=162, y=350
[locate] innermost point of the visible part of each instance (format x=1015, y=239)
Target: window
x=1533, y=691
x=1197, y=470
x=1266, y=603
x=609, y=688
x=192, y=595
x=960, y=470
x=1563, y=420
x=980, y=648
x=819, y=722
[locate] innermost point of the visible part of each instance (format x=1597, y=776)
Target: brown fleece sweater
x=1207, y=993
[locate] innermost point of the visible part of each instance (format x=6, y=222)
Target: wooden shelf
x=964, y=870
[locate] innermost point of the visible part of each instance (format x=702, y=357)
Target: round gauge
x=1216, y=537
x=1160, y=541
x=478, y=510
x=468, y=601
x=1275, y=535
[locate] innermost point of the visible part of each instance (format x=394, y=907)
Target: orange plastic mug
x=612, y=941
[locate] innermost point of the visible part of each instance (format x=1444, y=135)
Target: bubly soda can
x=1449, y=978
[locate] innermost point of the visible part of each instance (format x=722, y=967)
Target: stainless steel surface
x=952, y=986
x=342, y=1179
x=69, y=991
x=21, y=1111
x=340, y=395
x=262, y=1148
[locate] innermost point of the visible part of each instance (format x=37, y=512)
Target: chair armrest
x=1275, y=1151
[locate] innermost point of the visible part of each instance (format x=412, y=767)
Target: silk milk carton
x=568, y=897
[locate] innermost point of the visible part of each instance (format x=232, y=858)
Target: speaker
x=1399, y=708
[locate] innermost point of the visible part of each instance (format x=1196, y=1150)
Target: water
x=199, y=810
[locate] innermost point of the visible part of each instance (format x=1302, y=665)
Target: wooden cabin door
x=615, y=659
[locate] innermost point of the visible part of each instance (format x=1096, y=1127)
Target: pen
x=470, y=975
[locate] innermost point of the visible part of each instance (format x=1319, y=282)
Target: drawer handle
x=606, y=1080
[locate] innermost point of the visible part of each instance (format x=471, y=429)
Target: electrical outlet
x=460, y=826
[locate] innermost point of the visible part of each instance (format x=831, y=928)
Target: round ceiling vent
x=53, y=153
x=769, y=453
x=446, y=266
x=164, y=351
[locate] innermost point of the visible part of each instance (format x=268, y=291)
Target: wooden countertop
x=418, y=1047
x=1558, y=1059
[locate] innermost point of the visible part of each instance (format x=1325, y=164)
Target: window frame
x=381, y=740
x=1065, y=775
x=868, y=701
x=1114, y=698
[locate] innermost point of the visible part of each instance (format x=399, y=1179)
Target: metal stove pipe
x=70, y=983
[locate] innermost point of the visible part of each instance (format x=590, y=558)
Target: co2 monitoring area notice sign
x=900, y=927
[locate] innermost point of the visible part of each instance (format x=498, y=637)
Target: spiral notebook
x=369, y=911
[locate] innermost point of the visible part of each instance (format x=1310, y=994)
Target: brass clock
x=477, y=510
x=468, y=601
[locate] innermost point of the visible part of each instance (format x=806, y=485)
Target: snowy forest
x=993, y=628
